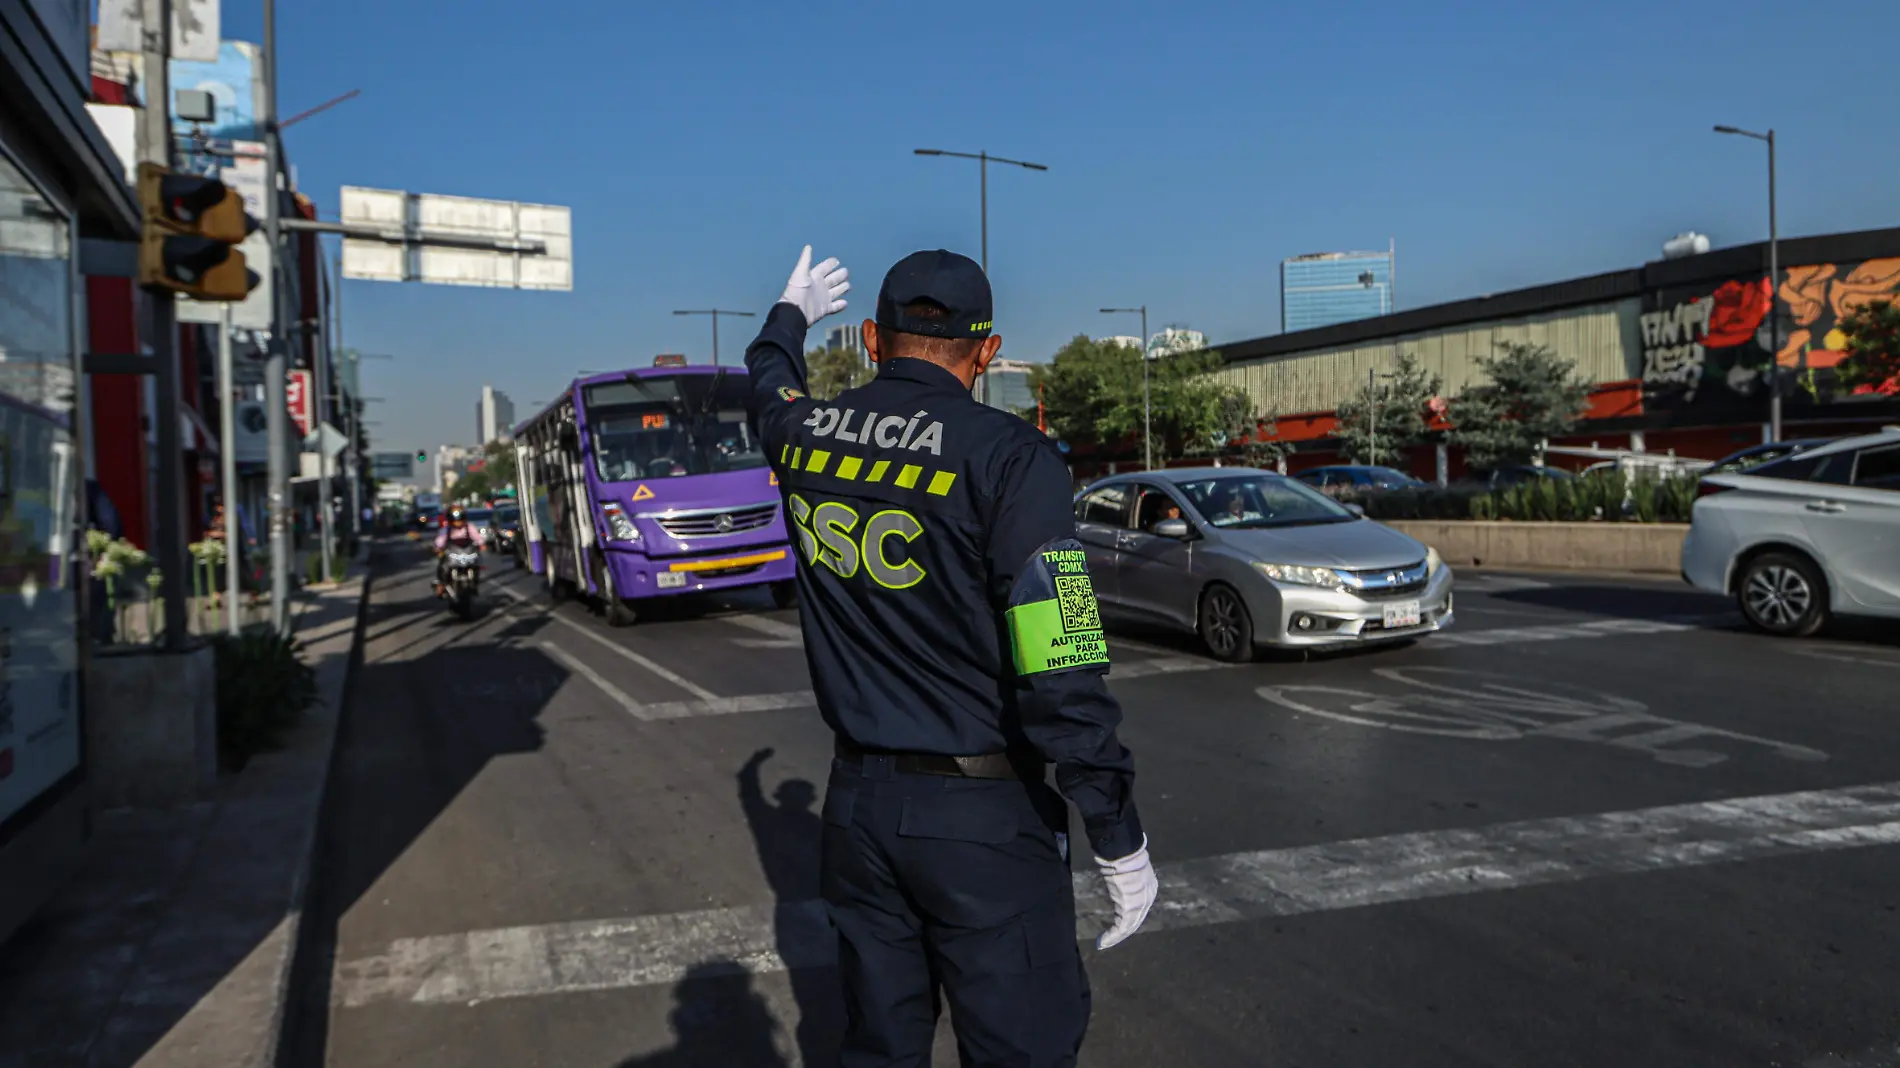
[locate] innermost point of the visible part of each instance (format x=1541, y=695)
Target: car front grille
x=1388, y=583
x=715, y=522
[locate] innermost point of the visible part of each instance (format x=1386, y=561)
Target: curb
x=298, y=959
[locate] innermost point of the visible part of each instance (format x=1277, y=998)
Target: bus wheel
x=785, y=594
x=612, y=605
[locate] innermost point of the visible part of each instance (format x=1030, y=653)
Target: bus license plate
x=1402, y=614
x=672, y=580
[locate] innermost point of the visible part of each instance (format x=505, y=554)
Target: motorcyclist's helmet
x=456, y=518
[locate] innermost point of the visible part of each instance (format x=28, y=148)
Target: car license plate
x=672, y=580
x=1402, y=614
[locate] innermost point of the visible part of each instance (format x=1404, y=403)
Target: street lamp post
x=356, y=427
x=1147, y=421
x=983, y=160
x=715, y=313
x=1774, y=283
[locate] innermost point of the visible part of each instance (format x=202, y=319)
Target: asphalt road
x=1597, y=822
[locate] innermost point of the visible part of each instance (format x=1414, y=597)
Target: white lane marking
x=613, y=954
x=1841, y=656
x=1456, y=703
x=618, y=695
x=722, y=706
x=1596, y=628
x=1164, y=665
x=771, y=628
x=656, y=668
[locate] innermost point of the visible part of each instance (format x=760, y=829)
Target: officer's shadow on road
x=718, y=1021
x=789, y=832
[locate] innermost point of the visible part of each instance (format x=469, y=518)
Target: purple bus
x=649, y=483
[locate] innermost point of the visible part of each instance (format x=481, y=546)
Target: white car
x=1804, y=538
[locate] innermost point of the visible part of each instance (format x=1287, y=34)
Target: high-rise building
x=494, y=415
x=1005, y=385
x=846, y=336
x=1129, y=340
x=1323, y=288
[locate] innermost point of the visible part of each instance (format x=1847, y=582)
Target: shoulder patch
x=788, y=394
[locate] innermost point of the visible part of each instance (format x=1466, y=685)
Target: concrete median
x=1648, y=548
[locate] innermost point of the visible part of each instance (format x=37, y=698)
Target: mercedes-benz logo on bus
x=724, y=523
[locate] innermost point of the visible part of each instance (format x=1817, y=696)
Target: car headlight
x=1433, y=561
x=1300, y=575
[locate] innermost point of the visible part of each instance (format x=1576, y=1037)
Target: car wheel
x=1783, y=594
x=1225, y=627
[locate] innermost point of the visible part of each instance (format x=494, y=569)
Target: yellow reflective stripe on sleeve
x=816, y=462
x=796, y=453
x=848, y=467
x=907, y=478
x=877, y=471
x=784, y=454
x=940, y=483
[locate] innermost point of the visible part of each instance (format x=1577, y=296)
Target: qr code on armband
x=1077, y=599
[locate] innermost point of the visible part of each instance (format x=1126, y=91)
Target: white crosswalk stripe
x=609, y=954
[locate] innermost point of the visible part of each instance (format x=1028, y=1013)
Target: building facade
x=1677, y=351
x=494, y=415
x=1005, y=384
x=1324, y=288
x=846, y=336
x=61, y=187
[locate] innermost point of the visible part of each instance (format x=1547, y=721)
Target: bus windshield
x=666, y=426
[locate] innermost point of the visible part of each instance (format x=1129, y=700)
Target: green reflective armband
x=1062, y=632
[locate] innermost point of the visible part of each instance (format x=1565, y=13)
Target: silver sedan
x=1245, y=557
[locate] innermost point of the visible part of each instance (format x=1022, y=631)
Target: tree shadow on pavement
x=719, y=1021
x=789, y=835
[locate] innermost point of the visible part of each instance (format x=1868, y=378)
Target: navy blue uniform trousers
x=959, y=886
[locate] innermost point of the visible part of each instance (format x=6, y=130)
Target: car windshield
x=1755, y=458
x=1386, y=476
x=479, y=515
x=665, y=427
x=509, y=515
x=1255, y=501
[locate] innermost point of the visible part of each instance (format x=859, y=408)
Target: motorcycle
x=463, y=569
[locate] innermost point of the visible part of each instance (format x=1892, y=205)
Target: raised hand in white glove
x=1131, y=889
x=817, y=291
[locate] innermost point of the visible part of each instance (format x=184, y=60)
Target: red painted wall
x=118, y=407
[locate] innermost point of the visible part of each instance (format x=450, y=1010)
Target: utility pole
x=350, y=402
x=1774, y=283
x=1372, y=416
x=168, y=541
x=227, y=460
x=715, y=313
x=276, y=367
x=320, y=357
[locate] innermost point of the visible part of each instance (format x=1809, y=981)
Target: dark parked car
x=1357, y=478
x=1756, y=455
x=1498, y=478
x=507, y=528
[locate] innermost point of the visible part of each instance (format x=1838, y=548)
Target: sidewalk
x=172, y=947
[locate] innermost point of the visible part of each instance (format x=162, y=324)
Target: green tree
x=474, y=486
x=1249, y=431
x=1530, y=394
x=1398, y=403
x=500, y=463
x=831, y=371
x=1873, y=342
x=1092, y=395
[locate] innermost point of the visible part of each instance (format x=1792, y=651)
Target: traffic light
x=422, y=457
x=192, y=225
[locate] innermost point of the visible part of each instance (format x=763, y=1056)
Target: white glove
x=816, y=291
x=1131, y=889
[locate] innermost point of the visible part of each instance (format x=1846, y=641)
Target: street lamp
x=1774, y=282
x=716, y=313
x=1147, y=422
x=983, y=159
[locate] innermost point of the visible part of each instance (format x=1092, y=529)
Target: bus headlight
x=618, y=525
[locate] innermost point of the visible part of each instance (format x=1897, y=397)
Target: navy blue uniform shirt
x=945, y=602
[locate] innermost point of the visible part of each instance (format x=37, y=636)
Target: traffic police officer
x=955, y=650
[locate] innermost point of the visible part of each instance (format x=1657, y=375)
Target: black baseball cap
x=941, y=277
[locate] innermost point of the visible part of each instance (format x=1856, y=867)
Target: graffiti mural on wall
x=1710, y=346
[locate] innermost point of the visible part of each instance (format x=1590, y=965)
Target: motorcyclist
x=455, y=531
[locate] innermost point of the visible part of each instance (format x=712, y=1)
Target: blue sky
x=1191, y=147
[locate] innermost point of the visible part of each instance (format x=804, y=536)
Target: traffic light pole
x=227, y=459
x=168, y=541
x=276, y=368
